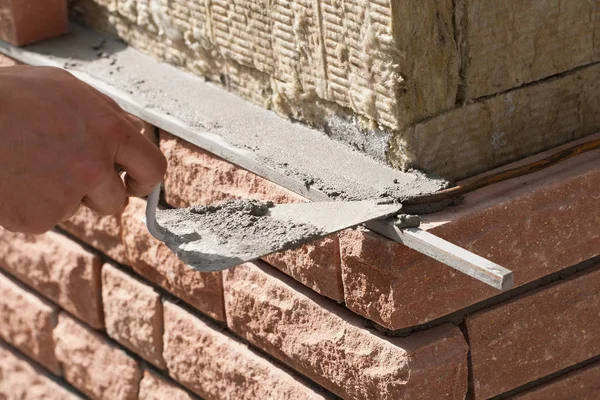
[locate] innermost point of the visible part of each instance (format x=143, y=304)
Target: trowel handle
x=151, y=204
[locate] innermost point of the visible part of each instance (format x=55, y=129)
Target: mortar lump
x=243, y=224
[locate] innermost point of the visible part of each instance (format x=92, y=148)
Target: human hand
x=60, y=143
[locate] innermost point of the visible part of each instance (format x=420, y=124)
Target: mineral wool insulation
x=306, y=59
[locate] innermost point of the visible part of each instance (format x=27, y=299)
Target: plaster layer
x=302, y=58
x=511, y=43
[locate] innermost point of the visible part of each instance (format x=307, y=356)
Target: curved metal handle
x=151, y=204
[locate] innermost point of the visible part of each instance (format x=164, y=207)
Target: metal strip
x=415, y=238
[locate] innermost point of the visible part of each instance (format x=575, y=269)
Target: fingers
x=144, y=163
x=108, y=197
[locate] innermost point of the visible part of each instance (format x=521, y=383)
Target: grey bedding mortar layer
x=213, y=236
x=308, y=157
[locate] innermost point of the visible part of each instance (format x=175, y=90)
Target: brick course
x=580, y=384
x=133, y=314
x=554, y=214
x=215, y=365
x=101, y=232
x=26, y=323
x=153, y=387
x=154, y=261
x=58, y=268
x=94, y=365
x=536, y=334
x=330, y=345
x=195, y=176
x=22, y=380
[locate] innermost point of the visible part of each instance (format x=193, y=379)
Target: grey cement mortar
x=216, y=237
x=293, y=150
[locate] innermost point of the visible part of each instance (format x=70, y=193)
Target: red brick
x=154, y=261
x=100, y=232
x=534, y=225
x=92, y=364
x=153, y=387
x=216, y=366
x=535, y=335
x=329, y=345
x=581, y=384
x=316, y=265
x=26, y=322
x=133, y=314
x=21, y=380
x=57, y=268
x=195, y=176
x=26, y=21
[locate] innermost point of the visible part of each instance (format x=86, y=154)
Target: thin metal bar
x=417, y=239
x=448, y=253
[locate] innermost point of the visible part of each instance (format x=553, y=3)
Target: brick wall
x=99, y=309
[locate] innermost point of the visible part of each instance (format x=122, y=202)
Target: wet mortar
x=211, y=237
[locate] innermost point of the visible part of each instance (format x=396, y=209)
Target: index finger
x=142, y=160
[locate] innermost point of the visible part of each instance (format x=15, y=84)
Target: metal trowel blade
x=209, y=248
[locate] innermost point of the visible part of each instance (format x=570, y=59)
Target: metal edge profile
x=415, y=238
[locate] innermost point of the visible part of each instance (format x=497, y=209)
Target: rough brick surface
x=553, y=214
x=511, y=43
x=26, y=322
x=329, y=344
x=154, y=261
x=92, y=364
x=132, y=314
x=57, y=268
x=215, y=365
x=581, y=384
x=482, y=135
x=195, y=176
x=536, y=334
x=101, y=232
x=26, y=21
x=316, y=265
x=153, y=387
x=21, y=380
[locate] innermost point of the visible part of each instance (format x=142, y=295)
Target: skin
x=62, y=144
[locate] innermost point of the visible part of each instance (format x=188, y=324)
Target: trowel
x=211, y=247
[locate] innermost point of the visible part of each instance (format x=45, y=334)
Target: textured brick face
x=214, y=365
x=154, y=261
x=26, y=21
x=132, y=314
x=57, y=268
x=534, y=226
x=26, y=322
x=330, y=345
x=19, y=379
x=92, y=364
x=100, y=232
x=581, y=384
x=535, y=335
x=197, y=177
x=153, y=387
